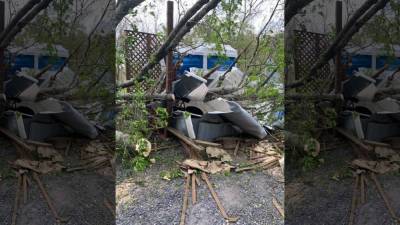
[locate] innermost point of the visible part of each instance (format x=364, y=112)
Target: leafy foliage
x=133, y=120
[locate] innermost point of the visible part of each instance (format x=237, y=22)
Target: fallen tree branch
x=323, y=97
x=17, y=18
x=292, y=8
x=359, y=19
x=221, y=78
x=175, y=37
x=16, y=28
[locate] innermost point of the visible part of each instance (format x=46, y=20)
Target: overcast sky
x=151, y=15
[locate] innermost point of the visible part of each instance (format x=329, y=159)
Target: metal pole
x=338, y=64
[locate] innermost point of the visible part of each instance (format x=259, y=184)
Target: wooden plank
x=16, y=201
x=384, y=197
x=192, y=154
x=16, y=139
x=185, y=139
x=25, y=187
x=185, y=201
x=258, y=165
x=362, y=189
x=38, y=143
x=216, y=199
x=354, y=200
x=109, y=206
x=354, y=139
x=278, y=207
x=47, y=198
x=194, y=193
x=236, y=148
x=207, y=143
x=377, y=143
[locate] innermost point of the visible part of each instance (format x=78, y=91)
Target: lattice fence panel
x=308, y=47
x=139, y=47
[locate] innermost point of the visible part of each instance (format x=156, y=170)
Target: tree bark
x=123, y=8
x=293, y=7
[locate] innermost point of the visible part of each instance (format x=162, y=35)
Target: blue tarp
x=197, y=62
x=28, y=61
x=359, y=61
x=189, y=61
x=212, y=61
x=365, y=61
x=57, y=62
x=394, y=63
x=21, y=61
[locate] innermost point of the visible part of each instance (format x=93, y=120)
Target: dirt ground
x=78, y=196
x=314, y=197
x=144, y=198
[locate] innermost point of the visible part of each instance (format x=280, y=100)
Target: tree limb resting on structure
x=293, y=7
x=123, y=8
x=17, y=26
x=20, y=14
x=359, y=19
x=190, y=19
x=221, y=78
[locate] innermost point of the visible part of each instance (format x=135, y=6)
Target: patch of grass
x=140, y=183
x=342, y=173
x=168, y=160
x=172, y=174
x=139, y=163
x=5, y=171
x=310, y=163
x=244, y=164
x=227, y=173
x=395, y=173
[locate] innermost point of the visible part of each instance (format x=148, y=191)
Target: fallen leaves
x=207, y=166
x=218, y=153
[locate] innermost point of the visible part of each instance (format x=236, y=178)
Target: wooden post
x=2, y=60
x=170, y=66
x=170, y=24
x=338, y=64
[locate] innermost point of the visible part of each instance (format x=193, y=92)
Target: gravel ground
x=144, y=198
x=78, y=196
x=315, y=198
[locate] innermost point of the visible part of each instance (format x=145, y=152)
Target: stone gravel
x=144, y=198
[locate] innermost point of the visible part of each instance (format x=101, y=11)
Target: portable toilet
x=37, y=57
x=204, y=57
x=372, y=57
